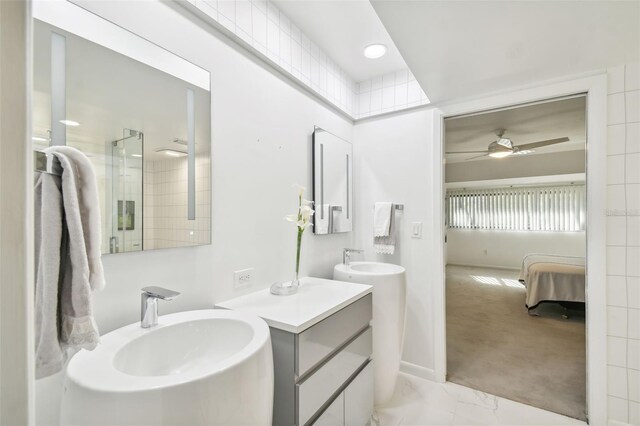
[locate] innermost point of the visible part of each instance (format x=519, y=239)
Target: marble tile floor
x=420, y=402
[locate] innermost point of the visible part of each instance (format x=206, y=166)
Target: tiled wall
x=390, y=92
x=270, y=33
x=623, y=244
x=165, y=221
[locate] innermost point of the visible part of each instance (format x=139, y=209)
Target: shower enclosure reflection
x=145, y=128
x=126, y=157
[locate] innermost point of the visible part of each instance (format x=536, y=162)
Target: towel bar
x=398, y=206
x=46, y=163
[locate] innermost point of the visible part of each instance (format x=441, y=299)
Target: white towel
x=68, y=267
x=48, y=233
x=79, y=177
x=384, y=244
x=382, y=219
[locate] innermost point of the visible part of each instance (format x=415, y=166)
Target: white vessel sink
x=389, y=306
x=209, y=367
x=373, y=268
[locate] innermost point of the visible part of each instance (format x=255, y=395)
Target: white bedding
x=551, y=278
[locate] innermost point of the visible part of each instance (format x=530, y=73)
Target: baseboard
x=418, y=370
x=509, y=268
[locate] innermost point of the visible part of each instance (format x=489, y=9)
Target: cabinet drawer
x=333, y=415
x=319, y=341
x=358, y=398
x=318, y=388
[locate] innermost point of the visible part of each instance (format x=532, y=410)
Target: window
x=548, y=208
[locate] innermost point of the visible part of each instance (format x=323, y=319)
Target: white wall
x=391, y=154
x=261, y=127
x=506, y=249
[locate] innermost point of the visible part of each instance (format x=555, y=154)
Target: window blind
x=544, y=208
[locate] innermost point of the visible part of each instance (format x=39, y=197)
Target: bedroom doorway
x=515, y=249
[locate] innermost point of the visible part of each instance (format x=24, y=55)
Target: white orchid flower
x=300, y=189
x=291, y=217
x=303, y=218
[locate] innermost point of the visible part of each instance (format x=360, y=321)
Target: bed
x=551, y=278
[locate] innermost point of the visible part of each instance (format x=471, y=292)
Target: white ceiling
x=342, y=29
x=526, y=124
x=461, y=49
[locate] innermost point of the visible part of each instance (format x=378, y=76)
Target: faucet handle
x=160, y=293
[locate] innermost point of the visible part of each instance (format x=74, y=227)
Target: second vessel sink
x=389, y=304
x=209, y=367
x=374, y=268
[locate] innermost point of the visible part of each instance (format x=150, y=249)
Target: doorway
x=515, y=247
x=595, y=89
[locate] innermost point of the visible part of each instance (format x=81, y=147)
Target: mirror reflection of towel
x=323, y=220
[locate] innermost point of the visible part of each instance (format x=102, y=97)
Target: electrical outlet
x=242, y=278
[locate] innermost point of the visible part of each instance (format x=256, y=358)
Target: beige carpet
x=493, y=345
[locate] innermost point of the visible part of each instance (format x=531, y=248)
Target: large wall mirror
x=332, y=183
x=142, y=116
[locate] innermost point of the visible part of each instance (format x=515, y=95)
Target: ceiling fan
x=504, y=147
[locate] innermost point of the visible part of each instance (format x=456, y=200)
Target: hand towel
x=385, y=244
x=48, y=233
x=84, y=184
x=81, y=265
x=382, y=219
x=68, y=268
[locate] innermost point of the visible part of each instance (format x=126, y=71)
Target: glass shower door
x=126, y=192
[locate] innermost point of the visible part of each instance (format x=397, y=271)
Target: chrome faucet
x=346, y=255
x=149, y=311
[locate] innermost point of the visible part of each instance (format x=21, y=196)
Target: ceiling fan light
x=500, y=154
x=524, y=152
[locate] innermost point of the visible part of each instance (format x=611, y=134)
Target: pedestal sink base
x=389, y=305
x=210, y=367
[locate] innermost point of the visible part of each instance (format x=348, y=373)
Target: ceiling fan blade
x=467, y=152
x=541, y=144
x=477, y=156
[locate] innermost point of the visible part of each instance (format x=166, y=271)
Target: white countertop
x=316, y=299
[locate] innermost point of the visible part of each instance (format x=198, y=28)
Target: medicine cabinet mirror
x=142, y=116
x=332, y=183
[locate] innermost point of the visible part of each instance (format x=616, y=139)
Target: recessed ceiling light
x=70, y=123
x=375, y=51
x=40, y=139
x=172, y=152
x=137, y=155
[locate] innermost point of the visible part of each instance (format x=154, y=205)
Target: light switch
x=416, y=230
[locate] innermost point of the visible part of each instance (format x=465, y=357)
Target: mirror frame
x=318, y=198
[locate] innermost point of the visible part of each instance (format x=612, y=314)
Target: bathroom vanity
x=322, y=347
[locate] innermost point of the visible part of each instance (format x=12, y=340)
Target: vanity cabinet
x=322, y=351
x=314, y=368
x=353, y=406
